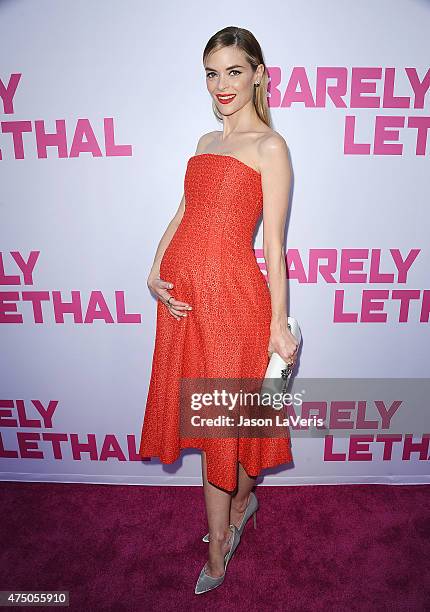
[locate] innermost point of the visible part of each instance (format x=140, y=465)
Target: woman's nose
x=222, y=83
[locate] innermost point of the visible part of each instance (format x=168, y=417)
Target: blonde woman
x=216, y=316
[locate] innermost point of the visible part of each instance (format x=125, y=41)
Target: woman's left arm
x=276, y=174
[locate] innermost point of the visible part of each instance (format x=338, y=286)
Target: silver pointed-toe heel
x=250, y=510
x=207, y=583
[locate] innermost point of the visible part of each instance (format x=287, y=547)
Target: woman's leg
x=218, y=513
x=239, y=501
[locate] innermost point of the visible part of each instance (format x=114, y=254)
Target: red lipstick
x=226, y=98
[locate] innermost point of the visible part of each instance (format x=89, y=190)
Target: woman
x=221, y=320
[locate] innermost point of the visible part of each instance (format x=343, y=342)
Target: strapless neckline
x=228, y=157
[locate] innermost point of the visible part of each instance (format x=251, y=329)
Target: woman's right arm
x=165, y=240
x=155, y=284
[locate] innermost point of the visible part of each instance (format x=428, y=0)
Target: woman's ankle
x=240, y=503
x=220, y=537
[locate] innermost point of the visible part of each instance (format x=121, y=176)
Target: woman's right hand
x=160, y=289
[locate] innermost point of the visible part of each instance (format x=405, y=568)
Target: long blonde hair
x=245, y=40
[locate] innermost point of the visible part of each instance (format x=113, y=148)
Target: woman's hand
x=283, y=342
x=160, y=289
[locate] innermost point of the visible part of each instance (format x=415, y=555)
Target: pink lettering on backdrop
x=359, y=92
x=341, y=87
x=21, y=419
x=359, y=447
x=341, y=416
x=84, y=138
x=7, y=93
x=329, y=266
x=336, y=87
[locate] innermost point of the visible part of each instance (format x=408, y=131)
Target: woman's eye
x=209, y=74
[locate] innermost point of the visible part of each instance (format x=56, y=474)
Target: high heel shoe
x=250, y=510
x=207, y=583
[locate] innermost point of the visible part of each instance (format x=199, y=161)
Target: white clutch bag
x=278, y=373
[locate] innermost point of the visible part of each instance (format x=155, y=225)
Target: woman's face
x=230, y=79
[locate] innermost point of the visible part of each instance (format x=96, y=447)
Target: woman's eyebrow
x=229, y=68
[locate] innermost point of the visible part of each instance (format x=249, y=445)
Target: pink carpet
x=136, y=548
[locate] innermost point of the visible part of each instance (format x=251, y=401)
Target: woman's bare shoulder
x=206, y=140
x=272, y=143
x=273, y=153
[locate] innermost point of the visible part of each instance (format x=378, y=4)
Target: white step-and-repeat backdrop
x=102, y=104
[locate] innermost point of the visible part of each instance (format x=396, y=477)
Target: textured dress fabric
x=211, y=262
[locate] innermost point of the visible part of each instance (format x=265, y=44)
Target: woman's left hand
x=283, y=342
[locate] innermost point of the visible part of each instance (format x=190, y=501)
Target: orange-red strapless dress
x=211, y=262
